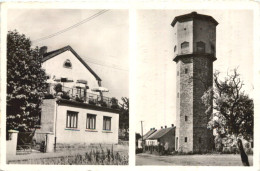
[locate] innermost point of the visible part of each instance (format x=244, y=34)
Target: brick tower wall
x=202, y=80
x=185, y=107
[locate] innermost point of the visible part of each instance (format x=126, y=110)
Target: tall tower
x=194, y=53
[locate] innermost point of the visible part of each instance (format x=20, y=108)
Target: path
x=192, y=160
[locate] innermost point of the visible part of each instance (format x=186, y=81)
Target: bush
x=58, y=88
x=138, y=150
x=48, y=96
x=79, y=99
x=91, y=102
x=65, y=95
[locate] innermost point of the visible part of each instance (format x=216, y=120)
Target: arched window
x=185, y=47
x=67, y=64
x=201, y=47
x=175, y=48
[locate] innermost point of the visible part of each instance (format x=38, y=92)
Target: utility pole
x=142, y=134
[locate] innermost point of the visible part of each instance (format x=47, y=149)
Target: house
x=74, y=109
x=164, y=137
x=150, y=132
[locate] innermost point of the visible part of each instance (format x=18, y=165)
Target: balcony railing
x=80, y=94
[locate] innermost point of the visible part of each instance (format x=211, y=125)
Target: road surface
x=192, y=160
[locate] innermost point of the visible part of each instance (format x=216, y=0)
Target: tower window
x=185, y=139
x=186, y=70
x=185, y=47
x=178, y=73
x=186, y=118
x=212, y=49
x=201, y=47
x=175, y=48
x=67, y=64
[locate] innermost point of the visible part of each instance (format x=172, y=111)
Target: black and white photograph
x=195, y=102
x=130, y=85
x=67, y=100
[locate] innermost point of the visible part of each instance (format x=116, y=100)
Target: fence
x=81, y=95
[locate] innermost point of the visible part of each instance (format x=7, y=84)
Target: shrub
x=58, y=88
x=92, y=102
x=65, y=95
x=48, y=96
x=79, y=99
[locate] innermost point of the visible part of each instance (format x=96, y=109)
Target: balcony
x=80, y=94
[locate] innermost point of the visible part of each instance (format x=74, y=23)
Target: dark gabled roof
x=54, y=53
x=150, y=132
x=193, y=15
x=160, y=133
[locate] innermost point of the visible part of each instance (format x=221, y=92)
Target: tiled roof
x=193, y=15
x=160, y=133
x=54, y=53
x=150, y=132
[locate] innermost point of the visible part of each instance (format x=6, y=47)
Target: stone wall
x=186, y=104
x=202, y=80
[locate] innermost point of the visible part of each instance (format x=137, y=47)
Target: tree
x=124, y=114
x=233, y=110
x=26, y=82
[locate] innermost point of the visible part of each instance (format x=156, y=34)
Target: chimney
x=43, y=50
x=165, y=126
x=172, y=125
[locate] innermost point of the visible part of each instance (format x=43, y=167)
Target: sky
x=156, y=71
x=101, y=42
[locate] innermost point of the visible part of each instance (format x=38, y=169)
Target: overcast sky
x=156, y=72
x=101, y=42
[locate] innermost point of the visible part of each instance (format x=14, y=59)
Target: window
x=199, y=140
x=185, y=47
x=177, y=73
x=186, y=139
x=91, y=121
x=72, y=119
x=212, y=49
x=67, y=64
x=186, y=118
x=107, y=123
x=186, y=70
x=184, y=28
x=178, y=95
x=201, y=47
x=175, y=48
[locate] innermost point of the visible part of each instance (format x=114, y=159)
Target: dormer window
x=67, y=64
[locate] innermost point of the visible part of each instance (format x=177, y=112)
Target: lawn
x=192, y=160
x=89, y=155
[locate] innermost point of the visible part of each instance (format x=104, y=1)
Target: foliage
x=94, y=157
x=65, y=95
x=26, y=82
x=114, y=102
x=124, y=114
x=58, y=88
x=233, y=110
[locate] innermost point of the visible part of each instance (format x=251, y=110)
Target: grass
x=97, y=156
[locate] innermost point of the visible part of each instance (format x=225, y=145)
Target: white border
x=133, y=6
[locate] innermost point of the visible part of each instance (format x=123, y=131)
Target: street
x=192, y=160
